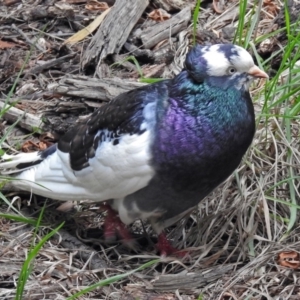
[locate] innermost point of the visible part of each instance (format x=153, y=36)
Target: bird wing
x=107, y=157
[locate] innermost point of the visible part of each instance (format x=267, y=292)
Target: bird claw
x=165, y=248
x=114, y=228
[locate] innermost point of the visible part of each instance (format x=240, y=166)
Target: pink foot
x=165, y=248
x=114, y=227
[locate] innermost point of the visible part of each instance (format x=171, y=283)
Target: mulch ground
x=57, y=69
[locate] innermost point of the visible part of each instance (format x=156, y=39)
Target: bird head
x=223, y=65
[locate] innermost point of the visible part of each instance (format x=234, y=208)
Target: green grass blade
x=112, y=279
x=195, y=20
x=241, y=24
x=28, y=263
x=19, y=219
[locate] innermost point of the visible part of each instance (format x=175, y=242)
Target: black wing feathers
x=123, y=115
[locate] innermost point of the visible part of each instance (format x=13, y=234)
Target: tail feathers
x=11, y=164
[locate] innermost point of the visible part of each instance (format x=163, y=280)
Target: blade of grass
x=195, y=20
x=19, y=219
x=293, y=210
x=28, y=263
x=112, y=279
x=241, y=24
x=254, y=19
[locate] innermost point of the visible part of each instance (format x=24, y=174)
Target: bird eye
x=231, y=70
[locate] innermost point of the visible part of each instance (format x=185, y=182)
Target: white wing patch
x=114, y=172
x=12, y=161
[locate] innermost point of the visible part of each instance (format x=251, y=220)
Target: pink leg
x=165, y=248
x=114, y=227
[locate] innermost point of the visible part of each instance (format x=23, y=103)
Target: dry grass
x=235, y=238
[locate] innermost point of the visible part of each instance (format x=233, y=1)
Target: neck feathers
x=201, y=122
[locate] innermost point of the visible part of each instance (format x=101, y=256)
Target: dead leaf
x=66, y=206
x=95, y=5
x=30, y=146
x=80, y=35
x=5, y=45
x=47, y=138
x=159, y=15
x=216, y=7
x=42, y=145
x=289, y=259
x=11, y=2
x=271, y=7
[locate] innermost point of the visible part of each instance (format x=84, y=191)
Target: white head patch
x=221, y=57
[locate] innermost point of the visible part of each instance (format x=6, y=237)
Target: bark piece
x=171, y=5
x=49, y=64
x=27, y=121
x=230, y=15
x=187, y=281
x=137, y=52
x=43, y=11
x=93, y=88
x=161, y=31
x=114, y=30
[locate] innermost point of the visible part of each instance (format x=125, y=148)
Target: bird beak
x=255, y=71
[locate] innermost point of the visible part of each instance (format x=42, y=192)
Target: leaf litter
x=239, y=241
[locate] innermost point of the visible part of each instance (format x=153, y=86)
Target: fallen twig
x=27, y=121
x=27, y=39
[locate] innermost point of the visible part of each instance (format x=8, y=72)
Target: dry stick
x=151, y=36
x=83, y=251
x=27, y=121
x=137, y=52
x=189, y=281
x=93, y=88
x=27, y=39
x=53, y=36
x=49, y=64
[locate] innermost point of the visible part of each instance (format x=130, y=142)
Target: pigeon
x=156, y=151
